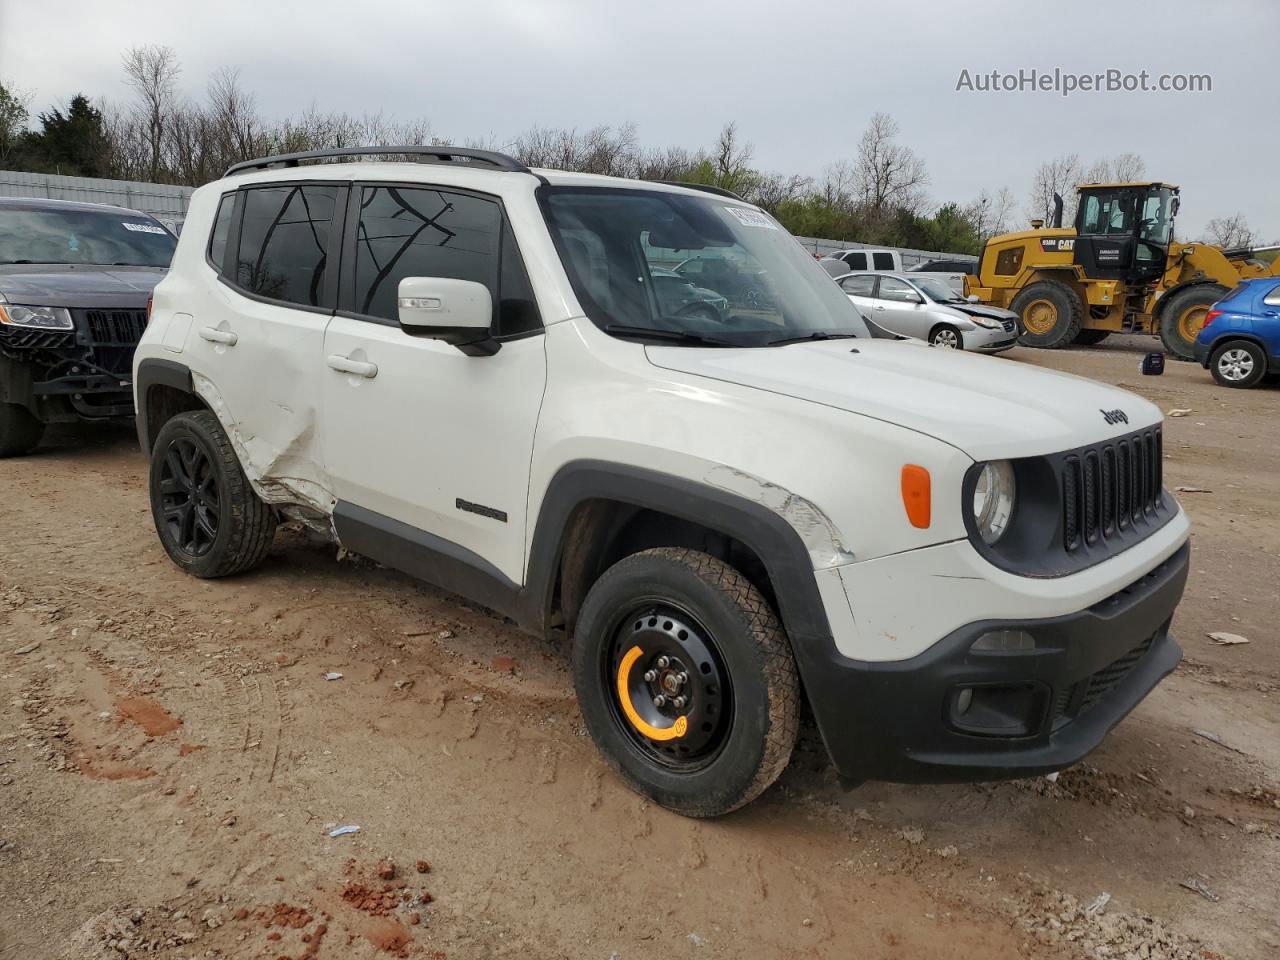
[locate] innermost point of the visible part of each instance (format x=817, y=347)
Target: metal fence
x=165, y=202
x=168, y=204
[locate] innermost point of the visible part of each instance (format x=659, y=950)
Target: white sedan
x=926, y=308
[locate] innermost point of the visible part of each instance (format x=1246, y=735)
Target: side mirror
x=459, y=312
x=973, y=298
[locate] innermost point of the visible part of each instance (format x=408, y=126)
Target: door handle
x=878, y=307
x=360, y=368
x=214, y=335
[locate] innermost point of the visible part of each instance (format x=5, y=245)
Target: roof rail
x=485, y=158
x=704, y=187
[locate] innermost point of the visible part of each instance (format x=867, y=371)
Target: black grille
x=116, y=328
x=1010, y=326
x=1074, y=700
x=1108, y=488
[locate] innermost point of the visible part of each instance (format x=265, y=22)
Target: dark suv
x=74, y=283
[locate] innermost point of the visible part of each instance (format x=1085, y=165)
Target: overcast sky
x=801, y=80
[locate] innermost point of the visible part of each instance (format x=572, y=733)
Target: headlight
x=40, y=318
x=993, y=499
x=987, y=322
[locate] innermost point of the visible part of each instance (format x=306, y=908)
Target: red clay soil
x=154, y=719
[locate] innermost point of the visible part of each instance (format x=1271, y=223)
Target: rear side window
x=221, y=227
x=1272, y=299
x=882, y=261
x=419, y=232
x=858, y=286
x=856, y=261
x=1009, y=261
x=284, y=242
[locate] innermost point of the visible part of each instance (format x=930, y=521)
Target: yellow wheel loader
x=1119, y=270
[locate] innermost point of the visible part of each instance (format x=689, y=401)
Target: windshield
x=1157, y=217
x=83, y=237
x=936, y=290
x=695, y=270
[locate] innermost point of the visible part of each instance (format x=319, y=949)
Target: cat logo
x=1058, y=245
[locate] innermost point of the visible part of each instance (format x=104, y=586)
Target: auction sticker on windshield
x=751, y=218
x=142, y=228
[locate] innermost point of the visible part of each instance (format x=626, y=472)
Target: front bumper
x=997, y=346
x=897, y=720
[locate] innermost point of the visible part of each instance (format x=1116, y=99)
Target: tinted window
x=284, y=242
x=882, y=261
x=83, y=236
x=221, y=225
x=1009, y=261
x=858, y=286
x=856, y=261
x=411, y=232
x=517, y=309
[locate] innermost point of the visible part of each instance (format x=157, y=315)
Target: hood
x=74, y=285
x=989, y=407
x=980, y=310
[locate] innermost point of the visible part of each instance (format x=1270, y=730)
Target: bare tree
x=1122, y=168
x=772, y=190
x=13, y=118
x=153, y=71
x=1229, y=232
x=991, y=213
x=1060, y=176
x=887, y=174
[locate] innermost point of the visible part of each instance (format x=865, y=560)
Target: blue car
x=1240, y=342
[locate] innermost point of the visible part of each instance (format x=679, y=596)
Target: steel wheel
x=189, y=496
x=947, y=339
x=1191, y=322
x=1040, y=317
x=1235, y=364
x=669, y=689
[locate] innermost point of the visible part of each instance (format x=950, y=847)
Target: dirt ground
x=173, y=759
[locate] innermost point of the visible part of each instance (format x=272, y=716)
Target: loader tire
x=1051, y=313
x=1182, y=317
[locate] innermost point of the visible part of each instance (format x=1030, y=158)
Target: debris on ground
x=1214, y=738
x=343, y=831
x=333, y=675
x=1227, y=639
x=1098, y=904
x=1192, y=490
x=913, y=835
x=1196, y=885
x=386, y=870
x=422, y=866
x=505, y=664
x=697, y=941
x=1179, y=411
x=29, y=648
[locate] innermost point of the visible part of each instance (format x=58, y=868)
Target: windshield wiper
x=655, y=333
x=816, y=335
x=64, y=262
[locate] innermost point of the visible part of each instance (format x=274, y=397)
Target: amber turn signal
x=916, y=495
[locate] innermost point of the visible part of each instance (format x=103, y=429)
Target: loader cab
x=1123, y=230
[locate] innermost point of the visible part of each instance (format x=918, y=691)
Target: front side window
x=649, y=260
x=898, y=291
x=856, y=261
x=83, y=237
x=422, y=232
x=1009, y=262
x=284, y=242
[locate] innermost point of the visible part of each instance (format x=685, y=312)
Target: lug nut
x=663, y=663
x=650, y=676
x=659, y=700
x=678, y=703
x=682, y=679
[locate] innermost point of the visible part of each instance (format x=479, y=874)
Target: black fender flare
x=152, y=372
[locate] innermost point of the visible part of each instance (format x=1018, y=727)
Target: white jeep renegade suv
x=641, y=413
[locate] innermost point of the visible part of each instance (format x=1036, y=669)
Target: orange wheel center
x=1040, y=317
x=1192, y=322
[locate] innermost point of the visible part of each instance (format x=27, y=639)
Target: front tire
x=1052, y=314
x=947, y=337
x=20, y=431
x=686, y=681
x=1182, y=317
x=1238, y=363
x=209, y=519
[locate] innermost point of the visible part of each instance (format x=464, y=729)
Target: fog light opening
x=1004, y=641
x=964, y=700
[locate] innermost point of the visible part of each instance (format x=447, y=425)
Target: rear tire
x=732, y=733
x=20, y=431
x=1052, y=314
x=1238, y=363
x=1087, y=338
x=1182, y=317
x=209, y=519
